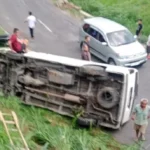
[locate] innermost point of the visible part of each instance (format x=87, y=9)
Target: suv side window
x=101, y=38
x=95, y=34
x=92, y=32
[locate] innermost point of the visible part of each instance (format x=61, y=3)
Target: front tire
x=111, y=62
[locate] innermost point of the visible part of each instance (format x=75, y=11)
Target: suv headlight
x=122, y=57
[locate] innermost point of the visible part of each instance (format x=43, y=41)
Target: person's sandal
x=143, y=138
x=136, y=139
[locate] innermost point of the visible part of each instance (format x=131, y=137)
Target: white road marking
x=45, y=25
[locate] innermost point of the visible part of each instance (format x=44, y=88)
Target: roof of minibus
x=72, y=61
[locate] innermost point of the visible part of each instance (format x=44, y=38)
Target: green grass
x=2, y=32
x=45, y=130
x=125, y=12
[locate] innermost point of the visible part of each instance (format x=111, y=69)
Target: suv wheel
x=111, y=62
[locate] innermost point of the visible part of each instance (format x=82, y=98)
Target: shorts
x=23, y=47
x=140, y=128
x=137, y=32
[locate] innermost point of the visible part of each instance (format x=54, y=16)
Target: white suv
x=112, y=42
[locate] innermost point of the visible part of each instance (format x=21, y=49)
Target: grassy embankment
x=2, y=32
x=45, y=130
x=125, y=12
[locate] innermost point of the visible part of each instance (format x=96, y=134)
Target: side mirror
x=104, y=44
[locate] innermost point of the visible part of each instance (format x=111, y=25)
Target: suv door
x=103, y=49
x=97, y=49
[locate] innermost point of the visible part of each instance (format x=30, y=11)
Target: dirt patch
x=2, y=32
x=70, y=8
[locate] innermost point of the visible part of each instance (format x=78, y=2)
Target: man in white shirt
x=31, y=23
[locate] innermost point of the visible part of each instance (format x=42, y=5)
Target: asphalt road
x=57, y=33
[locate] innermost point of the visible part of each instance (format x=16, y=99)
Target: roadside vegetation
x=2, y=32
x=45, y=130
x=3, y=43
x=125, y=12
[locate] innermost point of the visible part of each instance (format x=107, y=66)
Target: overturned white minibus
x=99, y=94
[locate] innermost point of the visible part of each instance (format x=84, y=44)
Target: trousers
x=31, y=32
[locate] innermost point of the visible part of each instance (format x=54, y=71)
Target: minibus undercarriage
x=88, y=91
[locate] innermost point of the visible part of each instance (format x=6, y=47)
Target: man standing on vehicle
x=140, y=116
x=31, y=23
x=140, y=27
x=17, y=44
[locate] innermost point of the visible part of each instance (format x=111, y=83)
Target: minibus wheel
x=107, y=97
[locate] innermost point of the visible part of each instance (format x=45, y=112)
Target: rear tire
x=111, y=62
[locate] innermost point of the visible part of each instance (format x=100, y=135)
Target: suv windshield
x=120, y=38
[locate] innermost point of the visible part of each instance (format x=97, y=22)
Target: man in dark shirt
x=140, y=26
x=15, y=43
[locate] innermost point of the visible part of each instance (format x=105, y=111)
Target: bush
x=124, y=12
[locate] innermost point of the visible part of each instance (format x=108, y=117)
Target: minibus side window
x=136, y=84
